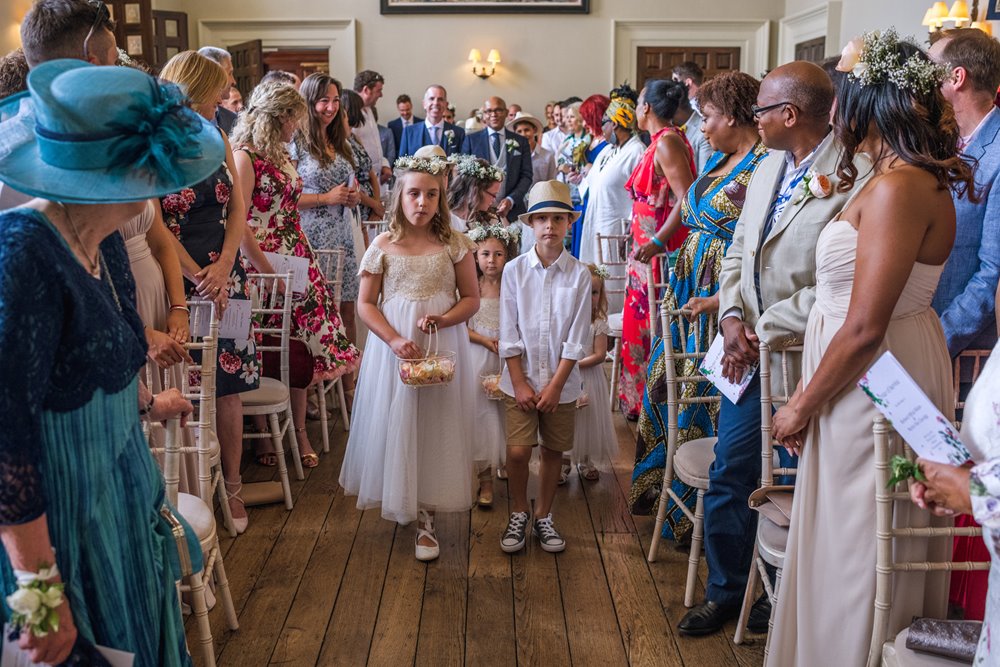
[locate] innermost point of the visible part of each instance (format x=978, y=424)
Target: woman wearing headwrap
x=609, y=201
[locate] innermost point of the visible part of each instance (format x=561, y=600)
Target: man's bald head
x=803, y=84
x=495, y=113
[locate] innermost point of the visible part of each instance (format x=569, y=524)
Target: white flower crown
x=429, y=165
x=499, y=232
x=874, y=58
x=602, y=272
x=469, y=165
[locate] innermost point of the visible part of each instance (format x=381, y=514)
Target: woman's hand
x=213, y=279
x=178, y=325
x=788, y=427
x=55, y=647
x=701, y=305
x=647, y=251
x=353, y=197
x=164, y=349
x=405, y=348
x=428, y=322
x=945, y=491
x=168, y=404
x=575, y=177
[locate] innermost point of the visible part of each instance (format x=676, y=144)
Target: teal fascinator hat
x=85, y=134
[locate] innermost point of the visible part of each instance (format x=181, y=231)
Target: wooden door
x=134, y=28
x=657, y=62
x=248, y=65
x=813, y=50
x=170, y=36
x=301, y=62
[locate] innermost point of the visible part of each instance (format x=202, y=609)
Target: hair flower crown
x=874, y=58
x=429, y=165
x=499, y=232
x=469, y=165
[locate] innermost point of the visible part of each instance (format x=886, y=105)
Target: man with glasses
x=508, y=151
x=766, y=291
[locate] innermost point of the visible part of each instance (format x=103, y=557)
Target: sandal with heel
x=310, y=460
x=233, y=490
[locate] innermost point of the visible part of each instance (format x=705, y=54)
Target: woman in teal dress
x=710, y=211
x=79, y=488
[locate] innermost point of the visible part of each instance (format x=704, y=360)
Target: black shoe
x=706, y=618
x=760, y=614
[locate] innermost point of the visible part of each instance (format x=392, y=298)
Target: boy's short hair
x=55, y=29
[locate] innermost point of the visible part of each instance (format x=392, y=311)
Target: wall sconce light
x=480, y=70
x=959, y=14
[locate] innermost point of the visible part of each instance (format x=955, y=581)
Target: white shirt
x=544, y=317
x=459, y=224
x=430, y=132
x=552, y=140
x=609, y=201
x=367, y=134
x=543, y=165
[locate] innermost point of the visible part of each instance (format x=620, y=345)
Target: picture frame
x=487, y=6
x=993, y=10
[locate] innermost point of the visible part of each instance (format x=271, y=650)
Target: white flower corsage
x=602, y=271
x=814, y=185
x=450, y=135
x=33, y=605
x=511, y=146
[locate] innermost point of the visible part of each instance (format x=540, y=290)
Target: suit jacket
x=416, y=136
x=388, y=144
x=519, y=175
x=787, y=258
x=965, y=296
x=396, y=125
x=225, y=119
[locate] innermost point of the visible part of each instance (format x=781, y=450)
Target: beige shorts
x=554, y=428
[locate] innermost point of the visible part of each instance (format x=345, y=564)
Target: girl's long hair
x=600, y=311
x=271, y=104
x=440, y=224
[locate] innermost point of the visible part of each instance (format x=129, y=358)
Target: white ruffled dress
x=411, y=448
x=490, y=438
x=594, y=433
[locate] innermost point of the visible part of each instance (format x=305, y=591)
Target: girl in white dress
x=409, y=450
x=595, y=443
x=494, y=246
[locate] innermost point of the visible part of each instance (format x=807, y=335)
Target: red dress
x=652, y=201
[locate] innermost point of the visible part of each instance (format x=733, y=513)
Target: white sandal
x=233, y=490
x=565, y=468
x=425, y=528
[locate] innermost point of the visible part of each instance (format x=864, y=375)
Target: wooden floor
x=326, y=584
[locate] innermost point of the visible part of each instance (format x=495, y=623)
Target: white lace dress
x=410, y=447
x=594, y=434
x=490, y=447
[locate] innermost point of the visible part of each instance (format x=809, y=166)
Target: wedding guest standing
x=505, y=150
x=658, y=183
x=370, y=203
x=689, y=116
x=404, y=105
x=543, y=163
x=368, y=84
x=710, y=211
x=435, y=130
x=878, y=263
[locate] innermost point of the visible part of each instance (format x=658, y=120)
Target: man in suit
x=404, y=105
x=388, y=144
x=225, y=119
x=434, y=130
x=965, y=298
x=506, y=150
x=766, y=290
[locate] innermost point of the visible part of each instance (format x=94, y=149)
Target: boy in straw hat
x=544, y=324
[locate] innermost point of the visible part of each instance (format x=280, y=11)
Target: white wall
x=11, y=13
x=545, y=56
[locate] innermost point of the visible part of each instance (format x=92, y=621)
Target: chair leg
x=227, y=514
x=774, y=605
x=661, y=516
x=694, y=556
x=294, y=445
x=343, y=406
x=222, y=584
x=741, y=624
x=279, y=450
x=323, y=418
x=615, y=371
x=200, y=607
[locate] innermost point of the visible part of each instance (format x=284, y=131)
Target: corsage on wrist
x=33, y=605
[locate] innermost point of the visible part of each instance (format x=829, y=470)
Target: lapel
x=765, y=181
x=986, y=136
x=825, y=163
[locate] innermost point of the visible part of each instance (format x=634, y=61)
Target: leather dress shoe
x=706, y=618
x=760, y=614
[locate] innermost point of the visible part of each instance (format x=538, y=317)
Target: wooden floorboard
x=327, y=584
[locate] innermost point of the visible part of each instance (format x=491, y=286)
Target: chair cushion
x=615, y=323
x=772, y=540
x=894, y=652
x=198, y=515
x=270, y=392
x=692, y=461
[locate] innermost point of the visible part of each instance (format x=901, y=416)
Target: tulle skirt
x=490, y=435
x=411, y=448
x=594, y=434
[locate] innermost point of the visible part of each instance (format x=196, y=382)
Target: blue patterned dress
x=710, y=211
x=72, y=447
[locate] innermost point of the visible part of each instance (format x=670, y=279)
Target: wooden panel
x=813, y=50
x=538, y=612
x=300, y=62
x=442, y=628
x=170, y=36
x=248, y=65
x=657, y=62
x=395, y=638
x=134, y=28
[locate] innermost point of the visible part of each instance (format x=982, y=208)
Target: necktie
x=434, y=135
x=496, y=144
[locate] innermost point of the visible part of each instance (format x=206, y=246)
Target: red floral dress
x=274, y=218
x=652, y=203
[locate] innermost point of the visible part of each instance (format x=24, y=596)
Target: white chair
x=197, y=509
x=887, y=530
x=331, y=262
x=612, y=253
x=273, y=397
x=689, y=462
x=373, y=228
x=657, y=286
x=772, y=502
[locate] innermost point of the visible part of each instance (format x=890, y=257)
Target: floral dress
x=363, y=172
x=274, y=218
x=329, y=227
x=652, y=203
x=197, y=217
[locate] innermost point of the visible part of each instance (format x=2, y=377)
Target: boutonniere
x=814, y=185
x=511, y=146
x=450, y=135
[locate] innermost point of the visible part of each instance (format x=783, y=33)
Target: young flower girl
x=494, y=245
x=408, y=451
x=595, y=440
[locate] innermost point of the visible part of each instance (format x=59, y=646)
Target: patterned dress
x=329, y=227
x=652, y=203
x=363, y=172
x=274, y=217
x=197, y=217
x=710, y=211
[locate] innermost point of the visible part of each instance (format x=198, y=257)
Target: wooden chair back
x=275, y=306
x=331, y=263
x=770, y=468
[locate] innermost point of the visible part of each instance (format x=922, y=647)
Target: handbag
x=951, y=639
